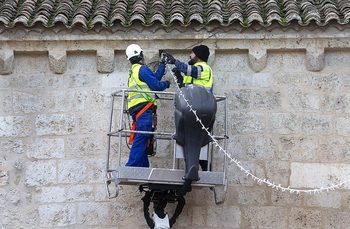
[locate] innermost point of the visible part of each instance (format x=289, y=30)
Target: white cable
x=249, y=174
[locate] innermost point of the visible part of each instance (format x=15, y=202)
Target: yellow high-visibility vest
x=206, y=77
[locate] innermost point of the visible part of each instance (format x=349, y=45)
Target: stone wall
x=289, y=122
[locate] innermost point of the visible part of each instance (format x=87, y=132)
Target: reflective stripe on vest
x=205, y=76
x=135, y=83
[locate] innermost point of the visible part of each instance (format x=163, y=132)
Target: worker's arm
x=151, y=79
x=189, y=70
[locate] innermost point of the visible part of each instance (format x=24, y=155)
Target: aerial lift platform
x=162, y=185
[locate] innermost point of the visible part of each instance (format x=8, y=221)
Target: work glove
x=170, y=59
x=168, y=82
x=179, y=76
x=163, y=59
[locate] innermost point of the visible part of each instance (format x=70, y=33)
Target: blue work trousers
x=138, y=153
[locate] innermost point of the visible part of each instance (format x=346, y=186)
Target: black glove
x=163, y=59
x=168, y=82
x=170, y=58
x=179, y=76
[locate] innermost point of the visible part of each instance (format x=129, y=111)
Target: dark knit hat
x=202, y=52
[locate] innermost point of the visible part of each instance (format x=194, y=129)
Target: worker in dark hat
x=197, y=71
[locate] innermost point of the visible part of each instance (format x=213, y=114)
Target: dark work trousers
x=138, y=153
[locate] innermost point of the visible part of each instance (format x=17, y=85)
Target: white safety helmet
x=133, y=50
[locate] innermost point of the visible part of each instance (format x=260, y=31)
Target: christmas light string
x=247, y=172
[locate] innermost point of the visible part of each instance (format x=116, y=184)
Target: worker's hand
x=179, y=76
x=163, y=59
x=170, y=58
x=168, y=82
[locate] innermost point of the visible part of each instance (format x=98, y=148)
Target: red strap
x=137, y=116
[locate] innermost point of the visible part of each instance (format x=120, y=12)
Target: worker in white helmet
x=141, y=105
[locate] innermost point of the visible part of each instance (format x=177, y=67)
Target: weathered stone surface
x=257, y=59
x=334, y=219
x=247, y=123
x=337, y=58
x=278, y=172
x=31, y=63
x=336, y=103
x=40, y=173
x=96, y=172
x=347, y=80
x=96, y=214
x=298, y=149
x=303, y=102
x=12, y=219
x=236, y=176
x=286, y=198
x=45, y=81
x=249, y=80
x=31, y=219
x=266, y=217
x=57, y=215
x=72, y=171
x=115, y=80
x=342, y=126
x=94, y=122
x=58, y=61
x=267, y=100
x=27, y=103
x=80, y=193
x=46, y=148
x=13, y=146
x=317, y=175
x=239, y=100
x=14, y=195
x=105, y=60
x=7, y=104
x=235, y=148
x=15, y=126
x=81, y=80
x=284, y=123
x=232, y=63
x=326, y=82
x=279, y=61
x=315, y=58
x=50, y=195
x=84, y=146
x=231, y=218
x=6, y=62
x=101, y=99
x=335, y=150
x=315, y=124
x=82, y=62
x=305, y=218
x=4, y=177
x=13, y=82
x=325, y=200
x=251, y=197
x=65, y=101
x=122, y=213
x=289, y=79
x=57, y=124
x=260, y=147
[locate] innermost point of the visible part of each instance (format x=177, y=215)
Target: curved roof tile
x=123, y=13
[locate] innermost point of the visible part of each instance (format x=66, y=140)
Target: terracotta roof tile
x=125, y=13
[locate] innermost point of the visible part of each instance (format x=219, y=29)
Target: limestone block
x=93, y=214
x=336, y=219
x=227, y=62
x=81, y=80
x=336, y=103
x=236, y=176
x=101, y=99
x=260, y=147
x=251, y=197
x=223, y=216
x=55, y=215
x=4, y=177
x=57, y=124
x=249, y=80
x=267, y=100
x=326, y=81
x=27, y=103
x=64, y=101
x=247, y=123
x=289, y=79
x=278, y=172
x=3, y=161
x=15, y=126
x=80, y=193
x=40, y=173
x=96, y=173
x=58, y=61
x=199, y=216
x=315, y=124
x=31, y=219
x=46, y=148
x=347, y=80
x=94, y=122
x=285, y=198
x=334, y=150
x=115, y=80
x=14, y=195
x=45, y=81
x=266, y=217
x=302, y=102
x=12, y=219
x=84, y=146
x=305, y=218
x=7, y=103
x=284, y=123
x=6, y=62
x=50, y=195
x=121, y=213
x=257, y=59
x=13, y=82
x=325, y=200
x=3, y=193
x=317, y=175
x=238, y=100
x=105, y=60
x=342, y=126
x=235, y=144
x=315, y=58
x=298, y=149
x=13, y=146
x=18, y=164
x=72, y=171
